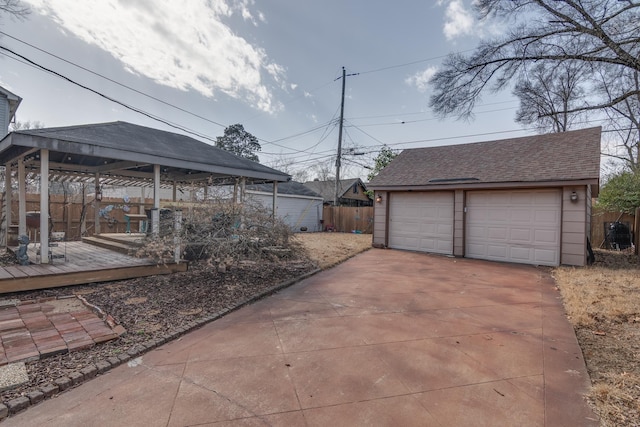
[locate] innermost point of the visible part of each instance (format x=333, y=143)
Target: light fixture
x=98, y=194
x=574, y=197
x=379, y=198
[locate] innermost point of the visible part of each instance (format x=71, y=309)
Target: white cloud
x=421, y=79
x=184, y=45
x=459, y=20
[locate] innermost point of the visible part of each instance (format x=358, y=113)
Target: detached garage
x=524, y=200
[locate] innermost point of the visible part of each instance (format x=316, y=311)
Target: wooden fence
x=601, y=219
x=348, y=219
x=66, y=213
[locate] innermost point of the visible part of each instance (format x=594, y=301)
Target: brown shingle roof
x=566, y=156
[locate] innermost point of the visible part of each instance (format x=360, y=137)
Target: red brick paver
x=32, y=330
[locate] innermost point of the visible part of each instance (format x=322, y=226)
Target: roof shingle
x=566, y=156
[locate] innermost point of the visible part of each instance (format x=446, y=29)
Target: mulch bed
x=154, y=308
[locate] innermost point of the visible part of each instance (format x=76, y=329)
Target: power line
x=34, y=64
x=113, y=81
x=129, y=107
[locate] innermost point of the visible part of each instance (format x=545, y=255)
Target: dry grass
x=328, y=249
x=603, y=304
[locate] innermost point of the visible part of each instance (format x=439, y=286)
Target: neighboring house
x=8, y=105
x=351, y=192
x=524, y=200
x=298, y=206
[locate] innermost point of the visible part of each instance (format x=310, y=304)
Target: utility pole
x=339, y=154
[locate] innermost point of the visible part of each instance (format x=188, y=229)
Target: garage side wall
x=380, y=219
x=296, y=212
x=574, y=226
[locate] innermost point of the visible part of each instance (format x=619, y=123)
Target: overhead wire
x=139, y=92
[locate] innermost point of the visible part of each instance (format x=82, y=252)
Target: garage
x=523, y=200
x=514, y=226
x=422, y=221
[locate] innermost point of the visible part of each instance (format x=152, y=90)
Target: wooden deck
x=84, y=263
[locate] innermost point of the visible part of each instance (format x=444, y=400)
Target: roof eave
x=23, y=143
x=593, y=182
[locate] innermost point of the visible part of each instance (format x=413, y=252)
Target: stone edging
x=76, y=378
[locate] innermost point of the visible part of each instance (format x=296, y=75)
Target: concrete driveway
x=387, y=338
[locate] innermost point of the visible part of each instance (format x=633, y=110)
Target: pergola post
x=155, y=213
x=275, y=199
x=44, y=206
x=96, y=201
x=7, y=202
x=174, y=195
x=177, y=241
x=22, y=199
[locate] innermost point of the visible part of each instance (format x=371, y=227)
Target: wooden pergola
x=118, y=153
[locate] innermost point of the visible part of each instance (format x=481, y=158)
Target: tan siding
x=574, y=224
x=458, y=223
x=380, y=219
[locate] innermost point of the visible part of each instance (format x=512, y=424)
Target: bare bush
x=223, y=233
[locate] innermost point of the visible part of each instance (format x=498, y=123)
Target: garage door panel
x=517, y=226
x=520, y=254
x=520, y=235
x=497, y=233
x=497, y=251
x=546, y=216
x=421, y=221
x=546, y=236
x=545, y=257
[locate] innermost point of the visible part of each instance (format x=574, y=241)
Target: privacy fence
x=77, y=217
x=601, y=226
x=348, y=219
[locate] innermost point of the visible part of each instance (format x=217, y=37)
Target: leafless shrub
x=223, y=233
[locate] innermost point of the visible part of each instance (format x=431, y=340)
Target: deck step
x=135, y=240
x=122, y=248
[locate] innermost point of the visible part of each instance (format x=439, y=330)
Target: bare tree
x=601, y=33
x=25, y=125
x=547, y=94
x=623, y=120
x=287, y=165
x=14, y=8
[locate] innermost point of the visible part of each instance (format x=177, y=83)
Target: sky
x=275, y=67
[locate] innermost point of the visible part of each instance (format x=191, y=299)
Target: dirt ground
x=152, y=307
x=603, y=304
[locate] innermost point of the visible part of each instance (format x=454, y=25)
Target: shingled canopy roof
x=569, y=156
x=291, y=188
x=124, y=154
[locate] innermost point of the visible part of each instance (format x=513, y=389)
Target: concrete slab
x=386, y=338
x=13, y=375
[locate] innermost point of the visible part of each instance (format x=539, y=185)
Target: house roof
x=327, y=188
x=289, y=188
x=14, y=101
x=129, y=151
x=567, y=156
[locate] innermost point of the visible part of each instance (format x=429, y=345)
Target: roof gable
x=14, y=101
x=288, y=188
x=566, y=156
x=327, y=188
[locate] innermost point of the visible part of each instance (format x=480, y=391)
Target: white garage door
x=421, y=222
x=514, y=226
